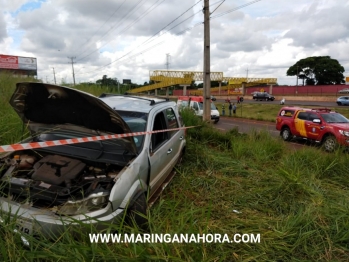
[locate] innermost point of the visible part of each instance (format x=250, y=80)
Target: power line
x=217, y=7
x=148, y=40
x=234, y=9
x=123, y=30
x=101, y=27
x=187, y=29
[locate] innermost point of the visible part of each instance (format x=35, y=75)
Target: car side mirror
x=317, y=121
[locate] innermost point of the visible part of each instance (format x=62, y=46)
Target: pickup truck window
x=334, y=118
x=287, y=113
x=303, y=115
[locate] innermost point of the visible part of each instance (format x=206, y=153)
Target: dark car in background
x=263, y=96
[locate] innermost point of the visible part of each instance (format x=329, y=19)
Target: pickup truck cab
x=321, y=125
x=197, y=104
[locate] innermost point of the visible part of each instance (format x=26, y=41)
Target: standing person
x=238, y=100
x=234, y=109
x=230, y=108
x=223, y=109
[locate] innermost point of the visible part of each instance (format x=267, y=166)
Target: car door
x=164, y=148
x=313, y=129
x=299, y=123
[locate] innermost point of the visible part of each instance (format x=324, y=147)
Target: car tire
x=286, y=134
x=339, y=103
x=216, y=121
x=137, y=213
x=330, y=143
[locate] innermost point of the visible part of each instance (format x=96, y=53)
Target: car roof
x=142, y=104
x=320, y=109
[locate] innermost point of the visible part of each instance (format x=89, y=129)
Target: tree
x=318, y=70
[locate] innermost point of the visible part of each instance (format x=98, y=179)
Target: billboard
x=17, y=62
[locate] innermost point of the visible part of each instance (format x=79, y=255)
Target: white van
x=197, y=104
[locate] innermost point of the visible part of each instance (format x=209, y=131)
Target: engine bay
x=48, y=180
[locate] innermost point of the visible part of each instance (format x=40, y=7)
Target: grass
x=298, y=201
x=267, y=112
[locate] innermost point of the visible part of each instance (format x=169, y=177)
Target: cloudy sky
x=128, y=39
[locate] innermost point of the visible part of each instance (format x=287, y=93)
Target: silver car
x=93, y=182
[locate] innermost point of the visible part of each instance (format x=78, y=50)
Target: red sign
x=8, y=62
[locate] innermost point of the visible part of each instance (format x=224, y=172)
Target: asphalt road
x=246, y=125
x=288, y=102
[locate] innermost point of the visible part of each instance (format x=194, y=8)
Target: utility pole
x=246, y=74
x=297, y=82
x=167, y=61
x=72, y=66
x=207, y=72
x=54, y=75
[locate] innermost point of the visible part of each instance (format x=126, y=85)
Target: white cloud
x=121, y=38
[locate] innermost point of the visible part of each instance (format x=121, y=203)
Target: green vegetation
x=318, y=70
x=298, y=201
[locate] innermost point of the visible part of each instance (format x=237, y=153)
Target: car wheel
x=330, y=143
x=216, y=121
x=137, y=212
x=286, y=134
x=339, y=103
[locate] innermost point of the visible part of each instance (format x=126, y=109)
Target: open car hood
x=54, y=105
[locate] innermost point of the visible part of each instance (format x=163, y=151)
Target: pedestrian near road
x=223, y=109
x=234, y=109
x=238, y=100
x=230, y=108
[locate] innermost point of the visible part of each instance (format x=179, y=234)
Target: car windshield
x=334, y=118
x=137, y=122
x=201, y=105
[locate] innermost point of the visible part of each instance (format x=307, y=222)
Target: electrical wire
x=234, y=9
x=183, y=31
x=125, y=16
x=100, y=27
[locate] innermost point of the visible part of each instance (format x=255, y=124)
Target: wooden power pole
x=207, y=71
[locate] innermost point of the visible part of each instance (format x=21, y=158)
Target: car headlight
x=344, y=132
x=91, y=203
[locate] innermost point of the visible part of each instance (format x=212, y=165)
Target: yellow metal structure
x=235, y=83
x=165, y=78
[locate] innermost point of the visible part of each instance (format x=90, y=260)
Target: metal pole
x=72, y=66
x=297, y=82
x=54, y=75
x=207, y=79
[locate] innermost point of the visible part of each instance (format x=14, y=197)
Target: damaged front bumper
x=30, y=221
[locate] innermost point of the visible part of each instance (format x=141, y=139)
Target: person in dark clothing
x=230, y=108
x=234, y=109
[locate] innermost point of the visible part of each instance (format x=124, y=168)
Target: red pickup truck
x=322, y=125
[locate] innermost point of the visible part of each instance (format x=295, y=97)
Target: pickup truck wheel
x=137, y=213
x=330, y=143
x=286, y=134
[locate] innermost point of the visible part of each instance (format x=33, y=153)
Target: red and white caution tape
x=15, y=147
